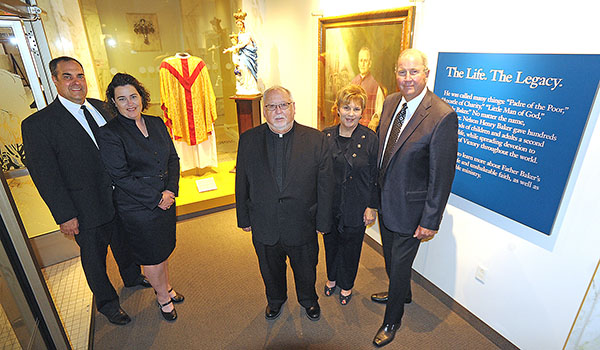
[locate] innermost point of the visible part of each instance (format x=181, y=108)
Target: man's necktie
x=396, y=127
x=91, y=122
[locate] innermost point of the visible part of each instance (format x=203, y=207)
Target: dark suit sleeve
x=45, y=172
x=325, y=188
x=241, y=184
x=173, y=162
x=442, y=162
x=113, y=154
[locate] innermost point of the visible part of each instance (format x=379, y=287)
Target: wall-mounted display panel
x=521, y=118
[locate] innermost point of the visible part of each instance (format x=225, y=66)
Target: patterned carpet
x=215, y=267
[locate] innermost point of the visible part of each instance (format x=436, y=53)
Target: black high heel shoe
x=345, y=299
x=178, y=298
x=170, y=315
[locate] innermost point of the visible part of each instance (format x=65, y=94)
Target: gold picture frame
x=386, y=33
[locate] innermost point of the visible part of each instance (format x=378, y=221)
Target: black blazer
x=356, y=187
x=419, y=176
x=141, y=168
x=65, y=166
x=292, y=215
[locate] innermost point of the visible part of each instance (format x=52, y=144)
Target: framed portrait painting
x=362, y=49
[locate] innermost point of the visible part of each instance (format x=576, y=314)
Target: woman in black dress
x=354, y=151
x=143, y=164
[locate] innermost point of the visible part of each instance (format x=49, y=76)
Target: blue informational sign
x=521, y=117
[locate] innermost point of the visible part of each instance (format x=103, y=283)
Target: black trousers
x=399, y=252
x=273, y=267
x=342, y=254
x=93, y=245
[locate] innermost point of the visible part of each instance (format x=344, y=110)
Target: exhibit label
x=521, y=118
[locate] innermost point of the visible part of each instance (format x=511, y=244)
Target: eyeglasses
x=411, y=72
x=283, y=106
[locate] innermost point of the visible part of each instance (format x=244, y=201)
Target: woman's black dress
x=141, y=169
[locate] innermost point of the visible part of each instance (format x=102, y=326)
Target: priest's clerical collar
x=280, y=135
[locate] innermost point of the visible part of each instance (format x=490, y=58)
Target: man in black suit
x=418, y=141
x=283, y=190
x=62, y=157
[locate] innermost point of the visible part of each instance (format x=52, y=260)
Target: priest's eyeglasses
x=283, y=106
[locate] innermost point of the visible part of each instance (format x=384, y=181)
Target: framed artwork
x=342, y=39
x=145, y=34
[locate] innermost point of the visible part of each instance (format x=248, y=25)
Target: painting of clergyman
x=361, y=49
x=144, y=31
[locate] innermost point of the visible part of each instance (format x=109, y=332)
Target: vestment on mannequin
x=187, y=98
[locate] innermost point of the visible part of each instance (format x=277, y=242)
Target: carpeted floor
x=215, y=267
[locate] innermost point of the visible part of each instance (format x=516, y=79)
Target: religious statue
x=244, y=56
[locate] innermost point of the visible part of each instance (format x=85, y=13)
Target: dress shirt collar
x=413, y=104
x=75, y=110
x=72, y=107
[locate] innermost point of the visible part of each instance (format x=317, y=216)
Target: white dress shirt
x=77, y=112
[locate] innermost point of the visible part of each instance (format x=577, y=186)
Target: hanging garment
x=187, y=97
x=188, y=103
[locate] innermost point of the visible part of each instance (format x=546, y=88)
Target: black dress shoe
x=383, y=298
x=380, y=297
x=313, y=313
x=140, y=281
x=385, y=334
x=169, y=315
x=272, y=313
x=119, y=317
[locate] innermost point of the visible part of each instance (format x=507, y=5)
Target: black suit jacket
x=303, y=206
x=141, y=168
x=65, y=166
x=418, y=178
x=356, y=184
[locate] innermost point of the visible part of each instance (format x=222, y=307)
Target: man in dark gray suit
x=418, y=141
x=62, y=157
x=283, y=190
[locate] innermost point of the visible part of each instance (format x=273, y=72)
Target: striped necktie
x=396, y=127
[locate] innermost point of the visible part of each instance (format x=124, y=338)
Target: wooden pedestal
x=248, y=111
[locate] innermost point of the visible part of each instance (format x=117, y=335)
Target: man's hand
x=247, y=229
x=369, y=216
x=424, y=234
x=70, y=227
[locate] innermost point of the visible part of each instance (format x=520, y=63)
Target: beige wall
x=286, y=35
x=66, y=36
